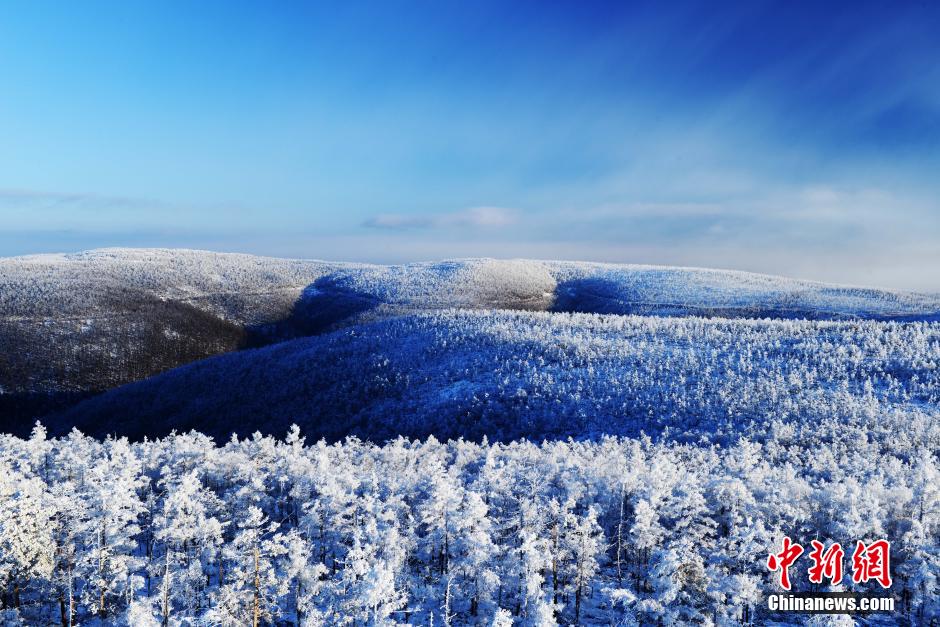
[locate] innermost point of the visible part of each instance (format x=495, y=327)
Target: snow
x=181, y=531
x=58, y=285
x=593, y=444
x=507, y=375
x=89, y=321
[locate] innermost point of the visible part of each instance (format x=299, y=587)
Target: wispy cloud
x=479, y=217
x=36, y=210
x=15, y=198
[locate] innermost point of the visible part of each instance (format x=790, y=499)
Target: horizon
x=418, y=262
x=778, y=138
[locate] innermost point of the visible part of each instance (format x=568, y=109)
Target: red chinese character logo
x=783, y=560
x=826, y=564
x=872, y=562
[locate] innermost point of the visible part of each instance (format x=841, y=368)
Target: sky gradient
x=793, y=138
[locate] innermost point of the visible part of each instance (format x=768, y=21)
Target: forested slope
x=508, y=375
x=72, y=326
x=94, y=320
x=634, y=464
x=91, y=321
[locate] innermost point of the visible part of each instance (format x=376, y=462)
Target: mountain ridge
x=73, y=325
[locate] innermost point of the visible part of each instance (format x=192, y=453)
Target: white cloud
x=398, y=221
x=486, y=217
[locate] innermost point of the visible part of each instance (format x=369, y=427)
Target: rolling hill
x=75, y=325
x=676, y=422
x=509, y=375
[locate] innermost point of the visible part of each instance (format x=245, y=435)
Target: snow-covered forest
x=260, y=531
x=509, y=375
x=76, y=324
x=573, y=463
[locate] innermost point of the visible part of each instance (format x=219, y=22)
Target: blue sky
x=793, y=138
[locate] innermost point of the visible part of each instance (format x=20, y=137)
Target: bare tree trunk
x=555, y=563
x=446, y=607
x=475, y=600
x=102, y=538
x=71, y=597
x=620, y=536
x=166, y=590
x=579, y=589
x=256, y=606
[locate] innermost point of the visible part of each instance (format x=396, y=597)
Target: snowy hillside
x=91, y=321
x=71, y=325
x=614, y=468
x=507, y=375
x=232, y=286
x=246, y=289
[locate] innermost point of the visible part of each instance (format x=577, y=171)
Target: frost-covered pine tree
x=473, y=554
x=306, y=578
x=586, y=542
x=109, y=531
x=252, y=585
x=26, y=542
x=189, y=534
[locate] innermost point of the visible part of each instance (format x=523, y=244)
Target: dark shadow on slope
x=333, y=386
x=935, y=317
x=141, y=336
x=592, y=295
x=600, y=295
x=606, y=296
x=48, y=365
x=319, y=308
x=19, y=412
